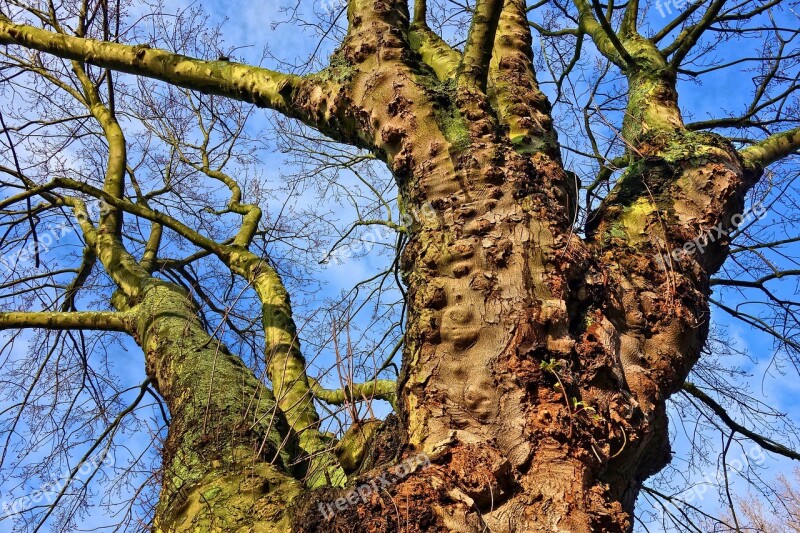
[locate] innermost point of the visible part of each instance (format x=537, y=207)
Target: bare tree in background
x=542, y=299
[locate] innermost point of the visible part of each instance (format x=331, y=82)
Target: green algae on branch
x=339, y=70
x=451, y=122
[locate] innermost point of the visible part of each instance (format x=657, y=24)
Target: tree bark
x=538, y=365
x=225, y=449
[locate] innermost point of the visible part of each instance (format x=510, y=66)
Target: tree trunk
x=537, y=364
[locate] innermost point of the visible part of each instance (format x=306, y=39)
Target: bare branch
x=718, y=410
x=89, y=320
x=478, y=50
x=773, y=148
x=263, y=87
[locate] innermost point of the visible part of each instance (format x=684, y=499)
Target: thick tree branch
x=88, y=261
x=114, y=182
x=260, y=86
x=88, y=320
x=478, y=50
x=520, y=103
x=420, y=12
x=286, y=366
x=435, y=52
x=602, y=35
x=378, y=389
x=630, y=19
x=773, y=148
x=151, y=248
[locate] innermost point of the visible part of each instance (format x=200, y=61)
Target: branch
x=379, y=389
x=519, y=101
x=773, y=148
x=355, y=443
x=688, y=38
x=88, y=320
x=286, y=366
x=677, y=21
x=114, y=182
x=435, y=52
x=110, y=430
x=478, y=50
x=759, y=283
x=602, y=34
x=140, y=210
x=420, y=12
x=628, y=27
x=673, y=499
x=88, y=262
x=767, y=444
x=759, y=324
x=612, y=36
x=260, y=86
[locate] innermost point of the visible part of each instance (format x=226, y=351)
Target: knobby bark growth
x=537, y=360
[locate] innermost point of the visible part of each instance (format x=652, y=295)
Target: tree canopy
x=213, y=311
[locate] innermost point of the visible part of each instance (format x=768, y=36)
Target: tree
x=544, y=332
